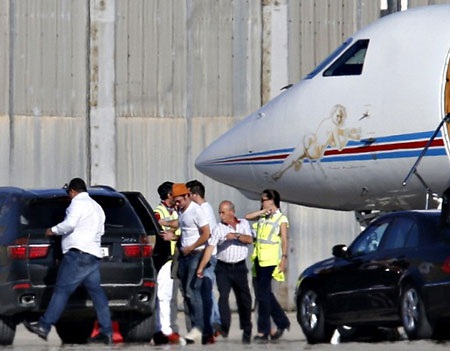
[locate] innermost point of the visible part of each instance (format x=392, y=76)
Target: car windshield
x=40, y=213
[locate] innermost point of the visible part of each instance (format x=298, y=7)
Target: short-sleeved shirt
x=230, y=251
x=207, y=208
x=190, y=222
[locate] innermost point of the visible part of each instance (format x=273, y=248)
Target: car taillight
x=137, y=250
x=446, y=266
x=26, y=251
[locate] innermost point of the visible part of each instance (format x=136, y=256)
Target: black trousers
x=234, y=276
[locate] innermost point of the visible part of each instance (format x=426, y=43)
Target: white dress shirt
x=230, y=251
x=83, y=226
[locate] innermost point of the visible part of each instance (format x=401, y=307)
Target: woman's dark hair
x=274, y=195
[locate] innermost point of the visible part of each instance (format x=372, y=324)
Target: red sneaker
x=174, y=338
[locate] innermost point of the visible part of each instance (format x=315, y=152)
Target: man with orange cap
x=195, y=233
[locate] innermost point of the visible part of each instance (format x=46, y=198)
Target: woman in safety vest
x=270, y=261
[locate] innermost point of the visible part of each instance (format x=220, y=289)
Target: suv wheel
x=74, y=332
x=311, y=317
x=137, y=328
x=414, y=318
x=7, y=330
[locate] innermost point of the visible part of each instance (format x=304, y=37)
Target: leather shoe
x=35, y=328
x=246, y=338
x=279, y=333
x=261, y=339
x=100, y=339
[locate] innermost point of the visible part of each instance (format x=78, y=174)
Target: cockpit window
x=329, y=59
x=351, y=61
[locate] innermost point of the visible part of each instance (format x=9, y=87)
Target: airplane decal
x=331, y=132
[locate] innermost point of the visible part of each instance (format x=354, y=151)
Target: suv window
x=9, y=210
x=38, y=214
x=119, y=215
x=41, y=213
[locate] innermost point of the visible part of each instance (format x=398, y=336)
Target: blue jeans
x=215, y=315
x=196, y=292
x=78, y=268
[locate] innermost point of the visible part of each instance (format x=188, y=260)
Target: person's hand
x=266, y=212
x=167, y=235
x=49, y=232
x=186, y=250
x=231, y=236
x=199, y=272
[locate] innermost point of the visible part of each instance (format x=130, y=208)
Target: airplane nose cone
x=205, y=160
x=223, y=159
x=212, y=161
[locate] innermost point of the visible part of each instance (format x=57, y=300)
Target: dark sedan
x=395, y=273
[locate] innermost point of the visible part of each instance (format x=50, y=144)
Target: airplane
x=367, y=130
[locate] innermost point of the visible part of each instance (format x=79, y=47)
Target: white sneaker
x=194, y=335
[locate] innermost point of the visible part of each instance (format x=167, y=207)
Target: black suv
x=29, y=263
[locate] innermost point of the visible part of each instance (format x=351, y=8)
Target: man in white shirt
x=194, y=235
x=198, y=190
x=81, y=233
x=232, y=237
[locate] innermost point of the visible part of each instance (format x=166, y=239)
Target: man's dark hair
x=195, y=187
x=164, y=190
x=78, y=185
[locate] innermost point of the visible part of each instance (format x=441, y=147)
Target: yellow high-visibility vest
x=165, y=214
x=268, y=239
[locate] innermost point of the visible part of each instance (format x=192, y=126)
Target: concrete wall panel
x=183, y=73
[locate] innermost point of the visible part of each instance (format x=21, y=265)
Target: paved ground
x=292, y=340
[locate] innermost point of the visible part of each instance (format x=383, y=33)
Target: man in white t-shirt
x=197, y=190
x=195, y=232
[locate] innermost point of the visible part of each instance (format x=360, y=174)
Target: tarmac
x=292, y=340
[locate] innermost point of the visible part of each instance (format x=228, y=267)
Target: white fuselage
x=347, y=141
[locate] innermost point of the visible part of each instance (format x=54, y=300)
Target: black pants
x=268, y=305
x=234, y=276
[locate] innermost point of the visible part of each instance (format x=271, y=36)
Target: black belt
x=73, y=249
x=231, y=264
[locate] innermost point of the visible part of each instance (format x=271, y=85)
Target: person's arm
x=284, y=246
x=251, y=216
x=172, y=223
x=69, y=223
x=169, y=235
x=241, y=237
x=205, y=259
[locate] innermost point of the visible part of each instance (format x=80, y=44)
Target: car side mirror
x=339, y=251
